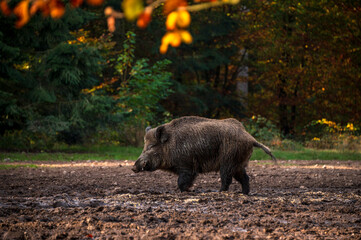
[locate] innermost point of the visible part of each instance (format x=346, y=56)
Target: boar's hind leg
x=185, y=180
x=226, y=178
x=242, y=177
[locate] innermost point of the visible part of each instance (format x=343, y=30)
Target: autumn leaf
x=132, y=8
x=5, y=8
x=183, y=19
x=180, y=18
x=41, y=5
x=108, y=11
x=76, y=3
x=171, y=21
x=57, y=8
x=186, y=36
x=22, y=12
x=166, y=40
x=174, y=39
x=95, y=2
x=145, y=18
x=54, y=8
x=111, y=23
x=165, y=43
x=171, y=5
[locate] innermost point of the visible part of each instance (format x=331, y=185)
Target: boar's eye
x=150, y=146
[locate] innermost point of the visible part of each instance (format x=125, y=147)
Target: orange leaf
x=5, y=8
x=163, y=48
x=176, y=40
x=171, y=5
x=95, y=2
x=76, y=3
x=183, y=19
x=22, y=12
x=171, y=21
x=40, y=5
x=186, y=36
x=108, y=11
x=57, y=8
x=144, y=20
x=111, y=23
x=172, y=38
x=166, y=39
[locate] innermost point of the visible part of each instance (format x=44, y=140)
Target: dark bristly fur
x=191, y=145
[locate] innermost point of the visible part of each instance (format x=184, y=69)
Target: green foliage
x=308, y=154
x=262, y=129
x=146, y=87
x=142, y=89
x=288, y=145
x=135, y=91
x=19, y=140
x=325, y=134
x=42, y=77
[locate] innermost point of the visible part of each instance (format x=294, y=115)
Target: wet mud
x=106, y=200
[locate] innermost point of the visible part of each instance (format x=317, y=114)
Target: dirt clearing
x=100, y=200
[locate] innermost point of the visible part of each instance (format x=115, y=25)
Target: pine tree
x=43, y=69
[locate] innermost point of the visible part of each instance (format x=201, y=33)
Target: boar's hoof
x=245, y=191
x=185, y=180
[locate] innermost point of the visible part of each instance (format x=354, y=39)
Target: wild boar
x=191, y=145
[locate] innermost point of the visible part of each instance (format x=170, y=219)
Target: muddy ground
x=100, y=200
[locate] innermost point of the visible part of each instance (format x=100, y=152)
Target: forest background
x=289, y=70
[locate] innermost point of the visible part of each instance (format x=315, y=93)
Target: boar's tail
x=266, y=150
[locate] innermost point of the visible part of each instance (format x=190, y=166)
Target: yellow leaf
x=163, y=48
x=186, y=36
x=132, y=8
x=172, y=38
x=176, y=39
x=183, y=19
x=171, y=21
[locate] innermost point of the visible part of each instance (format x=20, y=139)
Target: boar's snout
x=135, y=169
x=139, y=165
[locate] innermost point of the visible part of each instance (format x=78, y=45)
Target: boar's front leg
x=226, y=178
x=242, y=177
x=185, y=180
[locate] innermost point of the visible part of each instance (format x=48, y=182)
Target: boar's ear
x=147, y=129
x=161, y=135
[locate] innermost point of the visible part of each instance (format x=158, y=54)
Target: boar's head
x=152, y=156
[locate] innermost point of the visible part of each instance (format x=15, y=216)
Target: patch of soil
x=100, y=200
